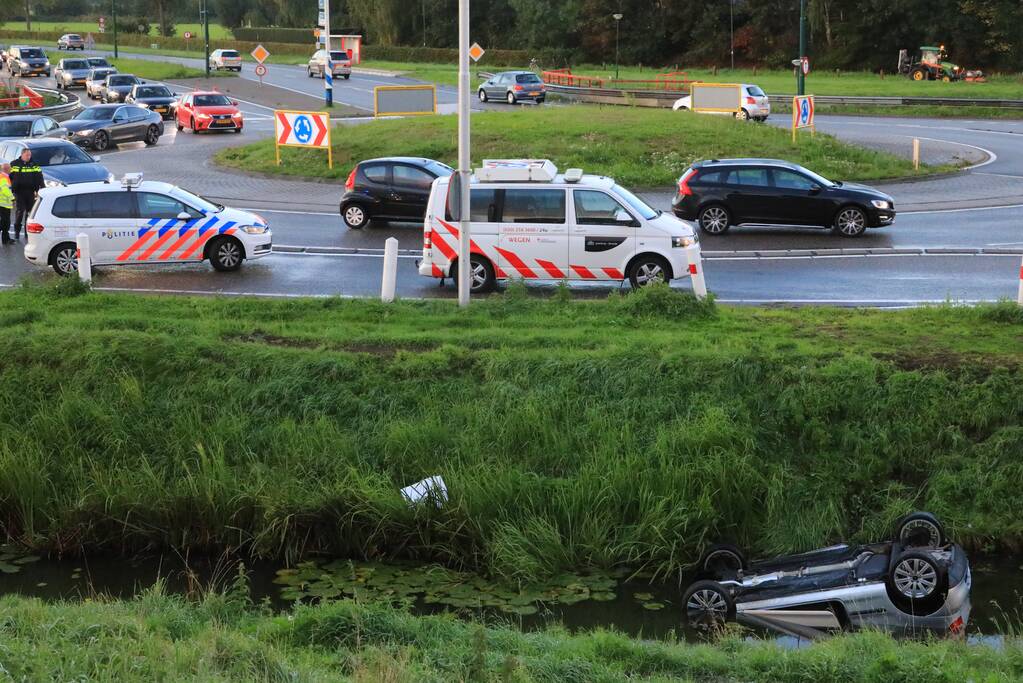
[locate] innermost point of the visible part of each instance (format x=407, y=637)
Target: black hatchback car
x=392, y=188
x=721, y=193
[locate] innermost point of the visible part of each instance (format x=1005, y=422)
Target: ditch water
x=576, y=601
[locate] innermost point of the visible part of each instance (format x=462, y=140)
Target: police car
x=530, y=222
x=140, y=222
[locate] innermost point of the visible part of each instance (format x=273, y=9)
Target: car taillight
x=350, y=183
x=427, y=239
x=683, y=183
x=34, y=228
x=518, y=87
x=750, y=100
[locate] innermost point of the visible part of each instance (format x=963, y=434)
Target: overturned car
x=919, y=581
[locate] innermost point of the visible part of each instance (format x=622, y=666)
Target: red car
x=201, y=111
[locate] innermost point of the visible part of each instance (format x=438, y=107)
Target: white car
x=530, y=222
x=140, y=222
x=225, y=59
x=755, y=104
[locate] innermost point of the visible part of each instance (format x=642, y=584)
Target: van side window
x=534, y=206
x=64, y=207
x=597, y=208
x=482, y=206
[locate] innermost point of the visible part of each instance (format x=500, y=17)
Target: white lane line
x=1001, y=175
x=976, y=208
x=297, y=213
x=992, y=157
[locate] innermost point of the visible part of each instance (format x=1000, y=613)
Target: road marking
x=975, y=208
x=297, y=213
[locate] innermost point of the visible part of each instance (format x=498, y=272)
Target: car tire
x=482, y=278
x=309, y=72
x=152, y=136
x=482, y=94
x=226, y=254
x=920, y=530
x=917, y=583
x=647, y=269
x=64, y=259
x=714, y=219
x=850, y=221
x=723, y=560
x=347, y=76
x=742, y=115
x=707, y=603
x=177, y=124
x=511, y=98
x=191, y=124
x=100, y=141
x=355, y=216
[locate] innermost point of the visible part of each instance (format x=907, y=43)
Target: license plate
x=161, y=109
x=533, y=94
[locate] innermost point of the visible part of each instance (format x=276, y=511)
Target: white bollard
x=916, y=153
x=84, y=254
x=390, y=270
x=1019, y=296
x=696, y=274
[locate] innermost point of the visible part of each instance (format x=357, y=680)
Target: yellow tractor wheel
x=946, y=78
x=918, y=75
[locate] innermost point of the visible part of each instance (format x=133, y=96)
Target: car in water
x=28, y=61
x=513, y=87
x=155, y=97
x=202, y=111
x=755, y=105
x=96, y=80
x=71, y=72
x=391, y=188
x=918, y=581
x=117, y=86
x=63, y=162
x=70, y=41
x=104, y=125
x=340, y=63
x=721, y=193
x=229, y=60
x=30, y=126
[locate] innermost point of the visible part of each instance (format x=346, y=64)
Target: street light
x=800, y=76
x=203, y=13
x=731, y=31
x=113, y=17
x=617, y=16
x=464, y=159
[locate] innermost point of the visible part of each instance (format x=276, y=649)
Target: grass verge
x=160, y=71
x=84, y=28
x=222, y=637
x=631, y=431
x=637, y=147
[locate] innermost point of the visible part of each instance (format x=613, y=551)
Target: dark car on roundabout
x=113, y=124
x=63, y=162
x=389, y=189
x=917, y=582
x=721, y=193
x=154, y=97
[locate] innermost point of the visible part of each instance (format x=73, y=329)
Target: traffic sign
x=261, y=70
x=476, y=52
x=188, y=35
x=260, y=54
x=802, y=114
x=307, y=129
x=805, y=65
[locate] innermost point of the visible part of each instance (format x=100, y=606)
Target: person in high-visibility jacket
x=26, y=181
x=6, y=203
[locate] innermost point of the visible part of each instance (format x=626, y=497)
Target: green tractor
x=933, y=65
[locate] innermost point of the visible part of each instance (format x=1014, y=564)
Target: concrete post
x=390, y=270
x=696, y=273
x=84, y=254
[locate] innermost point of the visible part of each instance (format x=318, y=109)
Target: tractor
x=933, y=65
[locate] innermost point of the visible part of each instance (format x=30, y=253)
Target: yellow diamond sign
x=260, y=54
x=476, y=52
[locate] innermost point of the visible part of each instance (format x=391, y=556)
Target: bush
x=134, y=25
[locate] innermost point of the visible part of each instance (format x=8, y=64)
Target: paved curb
x=376, y=72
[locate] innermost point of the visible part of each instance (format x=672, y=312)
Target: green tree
x=231, y=13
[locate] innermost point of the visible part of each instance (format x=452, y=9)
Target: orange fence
x=675, y=80
x=31, y=98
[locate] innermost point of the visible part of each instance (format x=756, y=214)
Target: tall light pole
x=464, y=162
x=28, y=15
x=328, y=68
x=205, y=17
x=113, y=18
x=800, y=77
x=617, y=16
x=731, y=31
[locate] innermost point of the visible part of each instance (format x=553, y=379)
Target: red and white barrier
x=1019, y=295
x=696, y=274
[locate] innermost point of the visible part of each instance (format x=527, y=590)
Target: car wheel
x=178, y=125
x=648, y=269
x=191, y=124
x=920, y=530
x=64, y=259
x=481, y=274
x=714, y=219
x=708, y=603
x=309, y=72
x=226, y=254
x=742, y=115
x=347, y=76
x=918, y=75
x=511, y=98
x=850, y=222
x=723, y=560
x=152, y=136
x=355, y=216
x=917, y=583
x=482, y=95
x=100, y=141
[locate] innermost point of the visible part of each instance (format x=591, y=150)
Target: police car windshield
x=14, y=129
x=637, y=204
x=123, y=80
x=97, y=114
x=153, y=91
x=76, y=64
x=195, y=201
x=60, y=155
x=212, y=101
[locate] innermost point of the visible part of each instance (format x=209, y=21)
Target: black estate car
x=392, y=188
x=721, y=193
x=111, y=124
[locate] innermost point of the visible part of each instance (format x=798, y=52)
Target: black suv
x=393, y=188
x=722, y=193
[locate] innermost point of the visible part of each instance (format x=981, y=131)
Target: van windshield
x=637, y=204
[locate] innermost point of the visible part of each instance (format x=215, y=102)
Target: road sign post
x=309, y=129
x=802, y=115
x=328, y=69
x=260, y=54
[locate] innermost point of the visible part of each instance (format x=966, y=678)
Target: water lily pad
x=603, y=596
x=654, y=605
x=643, y=597
x=523, y=610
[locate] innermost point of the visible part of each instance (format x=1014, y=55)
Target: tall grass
x=631, y=431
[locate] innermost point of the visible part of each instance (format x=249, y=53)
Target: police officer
x=26, y=181
x=6, y=203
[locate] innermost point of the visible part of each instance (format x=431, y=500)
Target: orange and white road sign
x=260, y=54
x=308, y=129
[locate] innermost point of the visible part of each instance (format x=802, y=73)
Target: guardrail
x=69, y=106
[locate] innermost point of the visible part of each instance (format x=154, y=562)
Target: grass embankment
x=623, y=432
x=637, y=147
x=222, y=638
x=159, y=71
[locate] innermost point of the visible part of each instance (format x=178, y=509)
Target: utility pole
x=617, y=16
x=424, y=23
x=205, y=13
x=328, y=69
x=731, y=31
x=800, y=78
x=113, y=17
x=28, y=15
x=464, y=160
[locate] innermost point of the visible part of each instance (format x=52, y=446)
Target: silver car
x=71, y=73
x=340, y=62
x=30, y=126
x=918, y=582
x=96, y=81
x=28, y=61
x=513, y=87
x=70, y=41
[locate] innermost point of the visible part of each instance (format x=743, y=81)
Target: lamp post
x=800, y=77
x=731, y=31
x=464, y=162
x=113, y=17
x=617, y=16
x=204, y=15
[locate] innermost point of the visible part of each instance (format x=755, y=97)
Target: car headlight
x=683, y=242
x=53, y=183
x=255, y=229
x=881, y=204
x=111, y=178
x=86, y=133
x=202, y=117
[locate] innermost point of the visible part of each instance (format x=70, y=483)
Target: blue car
x=63, y=162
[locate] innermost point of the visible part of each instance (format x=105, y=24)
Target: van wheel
x=64, y=259
x=648, y=269
x=481, y=274
x=714, y=219
x=226, y=254
x=355, y=217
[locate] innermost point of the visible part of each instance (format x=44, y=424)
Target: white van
x=530, y=222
